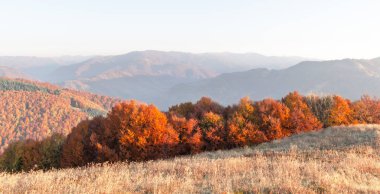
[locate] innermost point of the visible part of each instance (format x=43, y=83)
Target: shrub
x=32, y=155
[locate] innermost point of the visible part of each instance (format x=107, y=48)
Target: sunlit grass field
x=333, y=160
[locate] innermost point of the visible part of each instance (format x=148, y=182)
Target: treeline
x=138, y=132
x=19, y=85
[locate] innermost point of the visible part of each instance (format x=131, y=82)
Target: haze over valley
x=142, y=75
x=167, y=78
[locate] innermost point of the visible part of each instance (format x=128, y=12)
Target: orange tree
x=301, y=118
x=272, y=117
x=213, y=131
x=242, y=129
x=340, y=112
x=366, y=110
x=142, y=131
x=189, y=134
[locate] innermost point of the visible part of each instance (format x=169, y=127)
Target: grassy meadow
x=333, y=160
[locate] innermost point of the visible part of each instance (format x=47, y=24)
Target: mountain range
x=36, y=67
x=148, y=75
x=10, y=72
x=175, y=64
x=143, y=75
x=351, y=78
x=167, y=78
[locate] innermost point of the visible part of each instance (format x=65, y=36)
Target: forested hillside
x=33, y=110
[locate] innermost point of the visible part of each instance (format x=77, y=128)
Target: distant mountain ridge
x=30, y=61
x=9, y=72
x=38, y=68
x=145, y=75
x=167, y=78
x=348, y=77
x=178, y=64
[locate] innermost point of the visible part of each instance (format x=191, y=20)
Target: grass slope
x=333, y=160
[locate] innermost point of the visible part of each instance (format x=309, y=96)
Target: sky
x=324, y=29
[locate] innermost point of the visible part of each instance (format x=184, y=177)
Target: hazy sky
x=312, y=28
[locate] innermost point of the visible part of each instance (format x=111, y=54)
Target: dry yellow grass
x=334, y=160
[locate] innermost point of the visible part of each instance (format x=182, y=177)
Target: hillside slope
x=36, y=110
x=333, y=160
x=349, y=77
